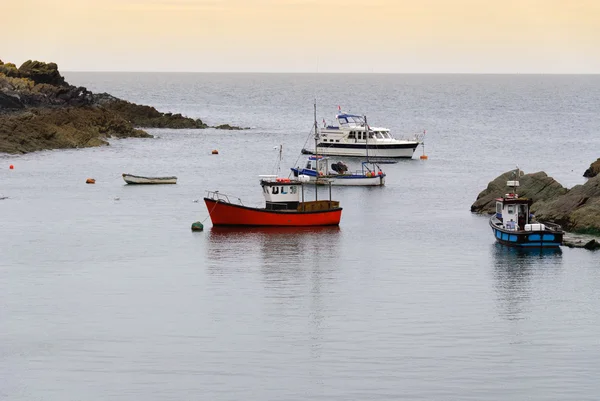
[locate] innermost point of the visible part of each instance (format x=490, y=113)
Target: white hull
x=134, y=179
x=360, y=151
x=351, y=182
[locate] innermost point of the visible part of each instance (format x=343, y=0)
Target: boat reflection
x=273, y=245
x=296, y=265
x=514, y=271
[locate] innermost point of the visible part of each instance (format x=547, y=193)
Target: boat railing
x=552, y=226
x=220, y=197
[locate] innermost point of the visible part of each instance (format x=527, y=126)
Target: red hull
x=227, y=214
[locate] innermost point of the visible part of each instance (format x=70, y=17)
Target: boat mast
x=316, y=152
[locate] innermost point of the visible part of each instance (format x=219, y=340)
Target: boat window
x=351, y=135
x=379, y=135
x=511, y=209
x=370, y=135
x=337, y=140
x=498, y=207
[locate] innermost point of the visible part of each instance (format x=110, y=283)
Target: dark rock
x=48, y=128
x=10, y=101
x=593, y=170
x=147, y=116
x=228, y=127
x=59, y=115
x=41, y=73
x=592, y=245
x=537, y=186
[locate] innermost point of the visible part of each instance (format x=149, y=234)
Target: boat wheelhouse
x=354, y=137
x=512, y=224
x=284, y=206
x=319, y=170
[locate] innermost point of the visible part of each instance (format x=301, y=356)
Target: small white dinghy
x=136, y=179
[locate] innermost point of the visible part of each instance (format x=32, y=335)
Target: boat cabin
x=513, y=211
x=316, y=163
x=281, y=193
x=352, y=128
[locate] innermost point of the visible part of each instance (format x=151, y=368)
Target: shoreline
x=39, y=110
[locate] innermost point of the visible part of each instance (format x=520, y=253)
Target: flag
x=340, y=109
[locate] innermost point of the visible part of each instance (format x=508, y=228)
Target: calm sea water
x=105, y=293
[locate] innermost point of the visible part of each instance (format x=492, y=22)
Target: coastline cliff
x=39, y=110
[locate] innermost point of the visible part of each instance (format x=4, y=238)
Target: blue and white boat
x=319, y=170
x=512, y=223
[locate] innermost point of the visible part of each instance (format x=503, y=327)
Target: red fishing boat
x=285, y=206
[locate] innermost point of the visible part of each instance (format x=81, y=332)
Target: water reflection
x=296, y=264
x=514, y=271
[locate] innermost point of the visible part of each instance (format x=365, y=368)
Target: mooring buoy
x=197, y=226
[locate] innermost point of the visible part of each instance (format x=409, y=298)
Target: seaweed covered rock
x=76, y=127
x=40, y=110
x=41, y=73
x=147, y=116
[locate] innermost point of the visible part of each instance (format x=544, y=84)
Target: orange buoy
x=423, y=157
x=380, y=172
x=11, y=167
x=90, y=181
x=215, y=152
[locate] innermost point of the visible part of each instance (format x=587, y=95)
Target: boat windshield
x=350, y=120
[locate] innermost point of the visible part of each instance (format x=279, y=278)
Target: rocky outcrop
x=593, y=170
x=37, y=96
x=228, y=127
x=576, y=209
x=149, y=117
x=39, y=129
x=537, y=186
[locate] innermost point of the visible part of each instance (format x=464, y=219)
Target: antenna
x=316, y=152
x=367, y=137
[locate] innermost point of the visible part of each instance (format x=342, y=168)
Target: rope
x=303, y=147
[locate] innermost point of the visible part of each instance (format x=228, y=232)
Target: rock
x=228, y=127
x=593, y=170
x=75, y=127
x=40, y=110
x=537, y=186
x=41, y=73
x=576, y=209
x=10, y=101
x=581, y=241
x=147, y=116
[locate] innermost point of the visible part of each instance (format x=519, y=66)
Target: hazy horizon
x=308, y=36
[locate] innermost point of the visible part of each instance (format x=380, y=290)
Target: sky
x=326, y=36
